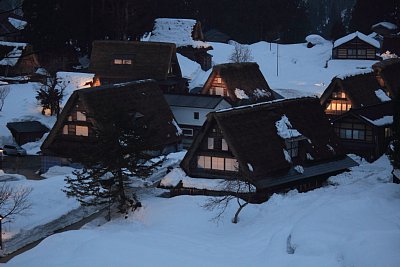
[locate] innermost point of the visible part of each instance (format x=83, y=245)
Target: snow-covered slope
x=351, y=223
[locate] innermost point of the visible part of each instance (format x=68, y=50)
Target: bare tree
x=4, y=91
x=13, y=201
x=235, y=190
x=241, y=53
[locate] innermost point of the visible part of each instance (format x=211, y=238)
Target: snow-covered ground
x=353, y=222
x=21, y=104
x=302, y=71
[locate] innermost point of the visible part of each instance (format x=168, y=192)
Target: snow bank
x=316, y=39
x=351, y=223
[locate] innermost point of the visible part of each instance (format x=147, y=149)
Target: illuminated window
x=217, y=163
x=65, y=129
x=80, y=116
x=231, y=165
x=224, y=145
x=127, y=61
x=218, y=80
x=219, y=91
x=82, y=131
x=388, y=132
x=118, y=61
x=204, y=162
x=210, y=143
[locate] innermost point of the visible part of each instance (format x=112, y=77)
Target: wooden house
x=366, y=131
x=276, y=146
x=344, y=93
x=356, y=46
x=190, y=112
x=122, y=61
x=17, y=59
x=74, y=131
x=188, y=37
x=384, y=28
x=240, y=83
x=27, y=131
x=387, y=73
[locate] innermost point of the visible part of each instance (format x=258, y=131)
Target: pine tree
x=50, y=95
x=108, y=166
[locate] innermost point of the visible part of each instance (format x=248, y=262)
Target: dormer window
x=292, y=147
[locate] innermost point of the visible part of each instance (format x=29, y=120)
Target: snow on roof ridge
x=354, y=73
x=386, y=24
x=4, y=43
x=385, y=120
x=353, y=35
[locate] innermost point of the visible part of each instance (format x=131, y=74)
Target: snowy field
x=353, y=222
x=302, y=71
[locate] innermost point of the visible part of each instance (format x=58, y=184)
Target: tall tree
x=118, y=156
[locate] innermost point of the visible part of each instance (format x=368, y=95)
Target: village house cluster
x=235, y=126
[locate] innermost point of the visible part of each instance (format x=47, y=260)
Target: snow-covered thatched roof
x=360, y=35
x=177, y=31
x=385, y=24
x=12, y=52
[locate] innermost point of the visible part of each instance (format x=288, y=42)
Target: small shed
x=27, y=131
x=356, y=46
x=188, y=37
x=241, y=83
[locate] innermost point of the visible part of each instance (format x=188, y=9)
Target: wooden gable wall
x=355, y=49
x=338, y=103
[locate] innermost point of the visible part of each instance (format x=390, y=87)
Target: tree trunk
x=236, y=217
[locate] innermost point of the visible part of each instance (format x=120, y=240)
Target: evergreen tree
x=108, y=166
x=50, y=95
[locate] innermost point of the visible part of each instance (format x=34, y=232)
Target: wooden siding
x=355, y=49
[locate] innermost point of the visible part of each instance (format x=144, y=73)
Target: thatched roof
x=143, y=96
x=182, y=32
x=375, y=115
x=11, y=52
x=246, y=77
x=252, y=136
x=360, y=89
x=149, y=60
x=389, y=70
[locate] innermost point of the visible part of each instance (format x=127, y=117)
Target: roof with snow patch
x=253, y=138
x=244, y=82
x=193, y=101
x=10, y=52
x=182, y=32
x=359, y=35
x=360, y=89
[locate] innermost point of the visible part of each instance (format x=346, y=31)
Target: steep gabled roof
x=142, y=96
x=193, y=101
x=389, y=70
x=241, y=78
x=354, y=35
x=182, y=32
x=252, y=136
x=149, y=60
x=360, y=89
